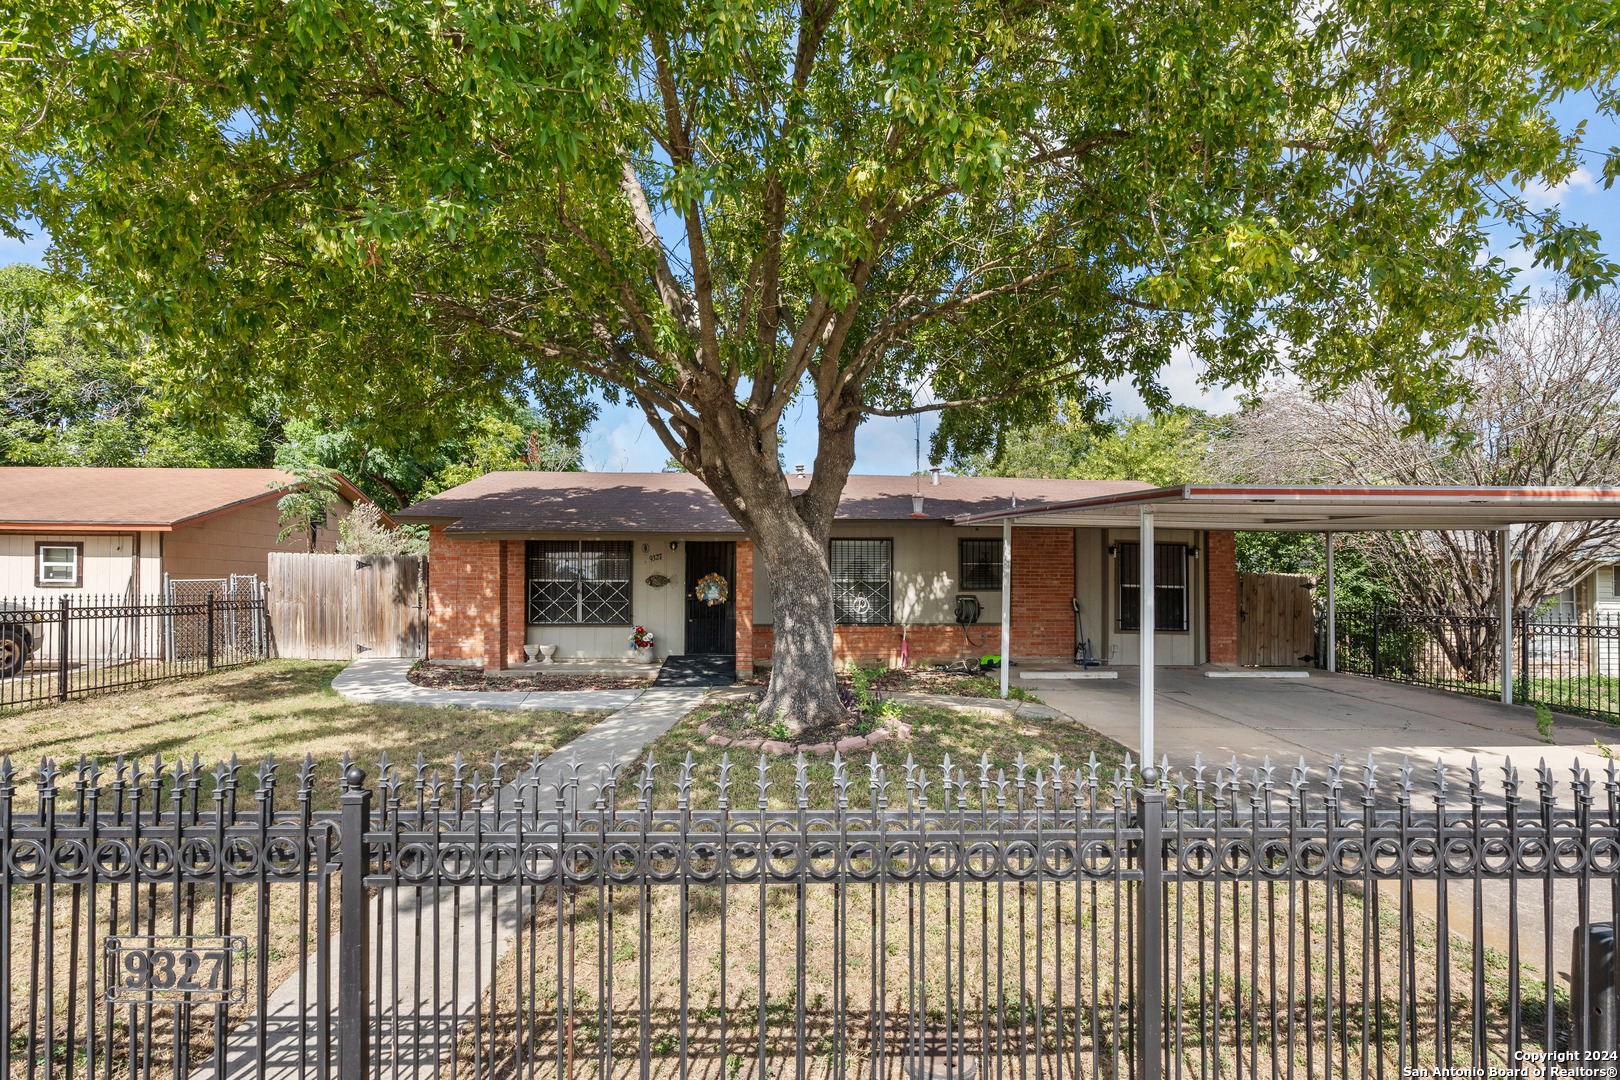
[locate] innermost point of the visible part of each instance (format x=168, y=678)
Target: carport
x=1304, y=509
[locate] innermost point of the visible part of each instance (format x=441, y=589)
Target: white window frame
x=43, y=582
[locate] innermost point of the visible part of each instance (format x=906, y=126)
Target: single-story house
x=130, y=532
x=578, y=559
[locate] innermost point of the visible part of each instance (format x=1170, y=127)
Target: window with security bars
x=1169, y=591
x=578, y=582
x=980, y=564
x=862, y=574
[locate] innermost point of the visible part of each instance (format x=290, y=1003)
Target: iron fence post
x=1524, y=653
x=62, y=653
x=208, y=632
x=1150, y=929
x=1377, y=620
x=354, y=932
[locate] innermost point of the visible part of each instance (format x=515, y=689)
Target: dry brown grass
x=283, y=707
x=964, y=734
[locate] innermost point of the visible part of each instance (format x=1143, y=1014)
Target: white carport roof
x=1246, y=508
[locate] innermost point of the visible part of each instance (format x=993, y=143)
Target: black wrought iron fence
x=1035, y=921
x=53, y=648
x=1572, y=667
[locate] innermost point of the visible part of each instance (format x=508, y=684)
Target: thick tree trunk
x=803, y=689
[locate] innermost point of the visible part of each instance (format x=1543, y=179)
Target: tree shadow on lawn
x=283, y=709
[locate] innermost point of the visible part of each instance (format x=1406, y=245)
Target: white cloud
x=1541, y=196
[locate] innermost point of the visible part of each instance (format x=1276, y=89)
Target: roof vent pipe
x=934, y=472
x=799, y=469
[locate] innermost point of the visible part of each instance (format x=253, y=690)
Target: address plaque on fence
x=159, y=969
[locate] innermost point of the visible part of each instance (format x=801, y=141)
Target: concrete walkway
x=385, y=682
x=463, y=931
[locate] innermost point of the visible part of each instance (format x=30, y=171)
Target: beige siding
x=925, y=571
x=109, y=563
x=1172, y=649
x=238, y=542
x=661, y=610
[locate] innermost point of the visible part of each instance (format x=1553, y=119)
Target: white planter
x=530, y=652
x=644, y=656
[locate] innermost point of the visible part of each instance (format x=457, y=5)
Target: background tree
x=1160, y=449
x=713, y=210
x=364, y=532
x=309, y=494
x=68, y=397
x=1543, y=409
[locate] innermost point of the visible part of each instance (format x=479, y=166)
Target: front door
x=710, y=625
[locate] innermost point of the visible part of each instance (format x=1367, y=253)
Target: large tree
x=1543, y=410
x=715, y=209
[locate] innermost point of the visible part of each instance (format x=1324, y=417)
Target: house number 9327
x=156, y=969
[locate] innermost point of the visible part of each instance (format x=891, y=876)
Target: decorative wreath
x=712, y=589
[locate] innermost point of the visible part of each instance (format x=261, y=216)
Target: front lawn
x=281, y=707
x=936, y=731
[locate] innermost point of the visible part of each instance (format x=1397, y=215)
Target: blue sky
x=621, y=441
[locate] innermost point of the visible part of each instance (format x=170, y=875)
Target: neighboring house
x=123, y=532
x=578, y=559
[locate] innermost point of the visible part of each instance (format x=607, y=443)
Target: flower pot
x=546, y=653
x=644, y=655
x=530, y=652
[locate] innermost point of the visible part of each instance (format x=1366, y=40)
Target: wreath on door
x=712, y=589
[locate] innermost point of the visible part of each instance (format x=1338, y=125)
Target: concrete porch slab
x=1106, y=673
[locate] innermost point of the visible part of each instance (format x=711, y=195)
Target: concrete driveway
x=1323, y=715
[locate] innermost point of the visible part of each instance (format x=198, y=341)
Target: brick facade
x=476, y=606
x=1043, y=586
x=1042, y=623
x=467, y=618
x=1221, y=592
x=743, y=607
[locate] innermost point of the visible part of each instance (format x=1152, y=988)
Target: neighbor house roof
x=102, y=500
x=522, y=502
x=1306, y=508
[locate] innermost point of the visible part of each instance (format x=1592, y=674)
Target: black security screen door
x=711, y=628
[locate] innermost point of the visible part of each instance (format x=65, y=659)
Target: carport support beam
x=1145, y=626
x=1006, y=603
x=1504, y=569
x=1332, y=634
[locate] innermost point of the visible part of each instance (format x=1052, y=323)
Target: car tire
x=13, y=653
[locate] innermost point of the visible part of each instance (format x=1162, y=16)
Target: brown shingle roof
x=64, y=498
x=514, y=502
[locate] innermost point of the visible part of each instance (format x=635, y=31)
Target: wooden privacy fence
x=1276, y=620
x=340, y=607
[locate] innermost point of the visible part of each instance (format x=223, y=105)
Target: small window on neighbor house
x=1170, y=587
x=981, y=564
x=1614, y=583
x=862, y=573
x=59, y=565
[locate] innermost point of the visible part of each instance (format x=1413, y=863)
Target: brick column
x=516, y=604
x=1043, y=583
x=1221, y=596
x=742, y=592
x=465, y=599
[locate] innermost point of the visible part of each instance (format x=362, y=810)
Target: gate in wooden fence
x=1276, y=620
x=340, y=607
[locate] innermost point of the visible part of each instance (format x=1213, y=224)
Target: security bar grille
x=578, y=582
x=980, y=564
x=862, y=572
x=1169, y=592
